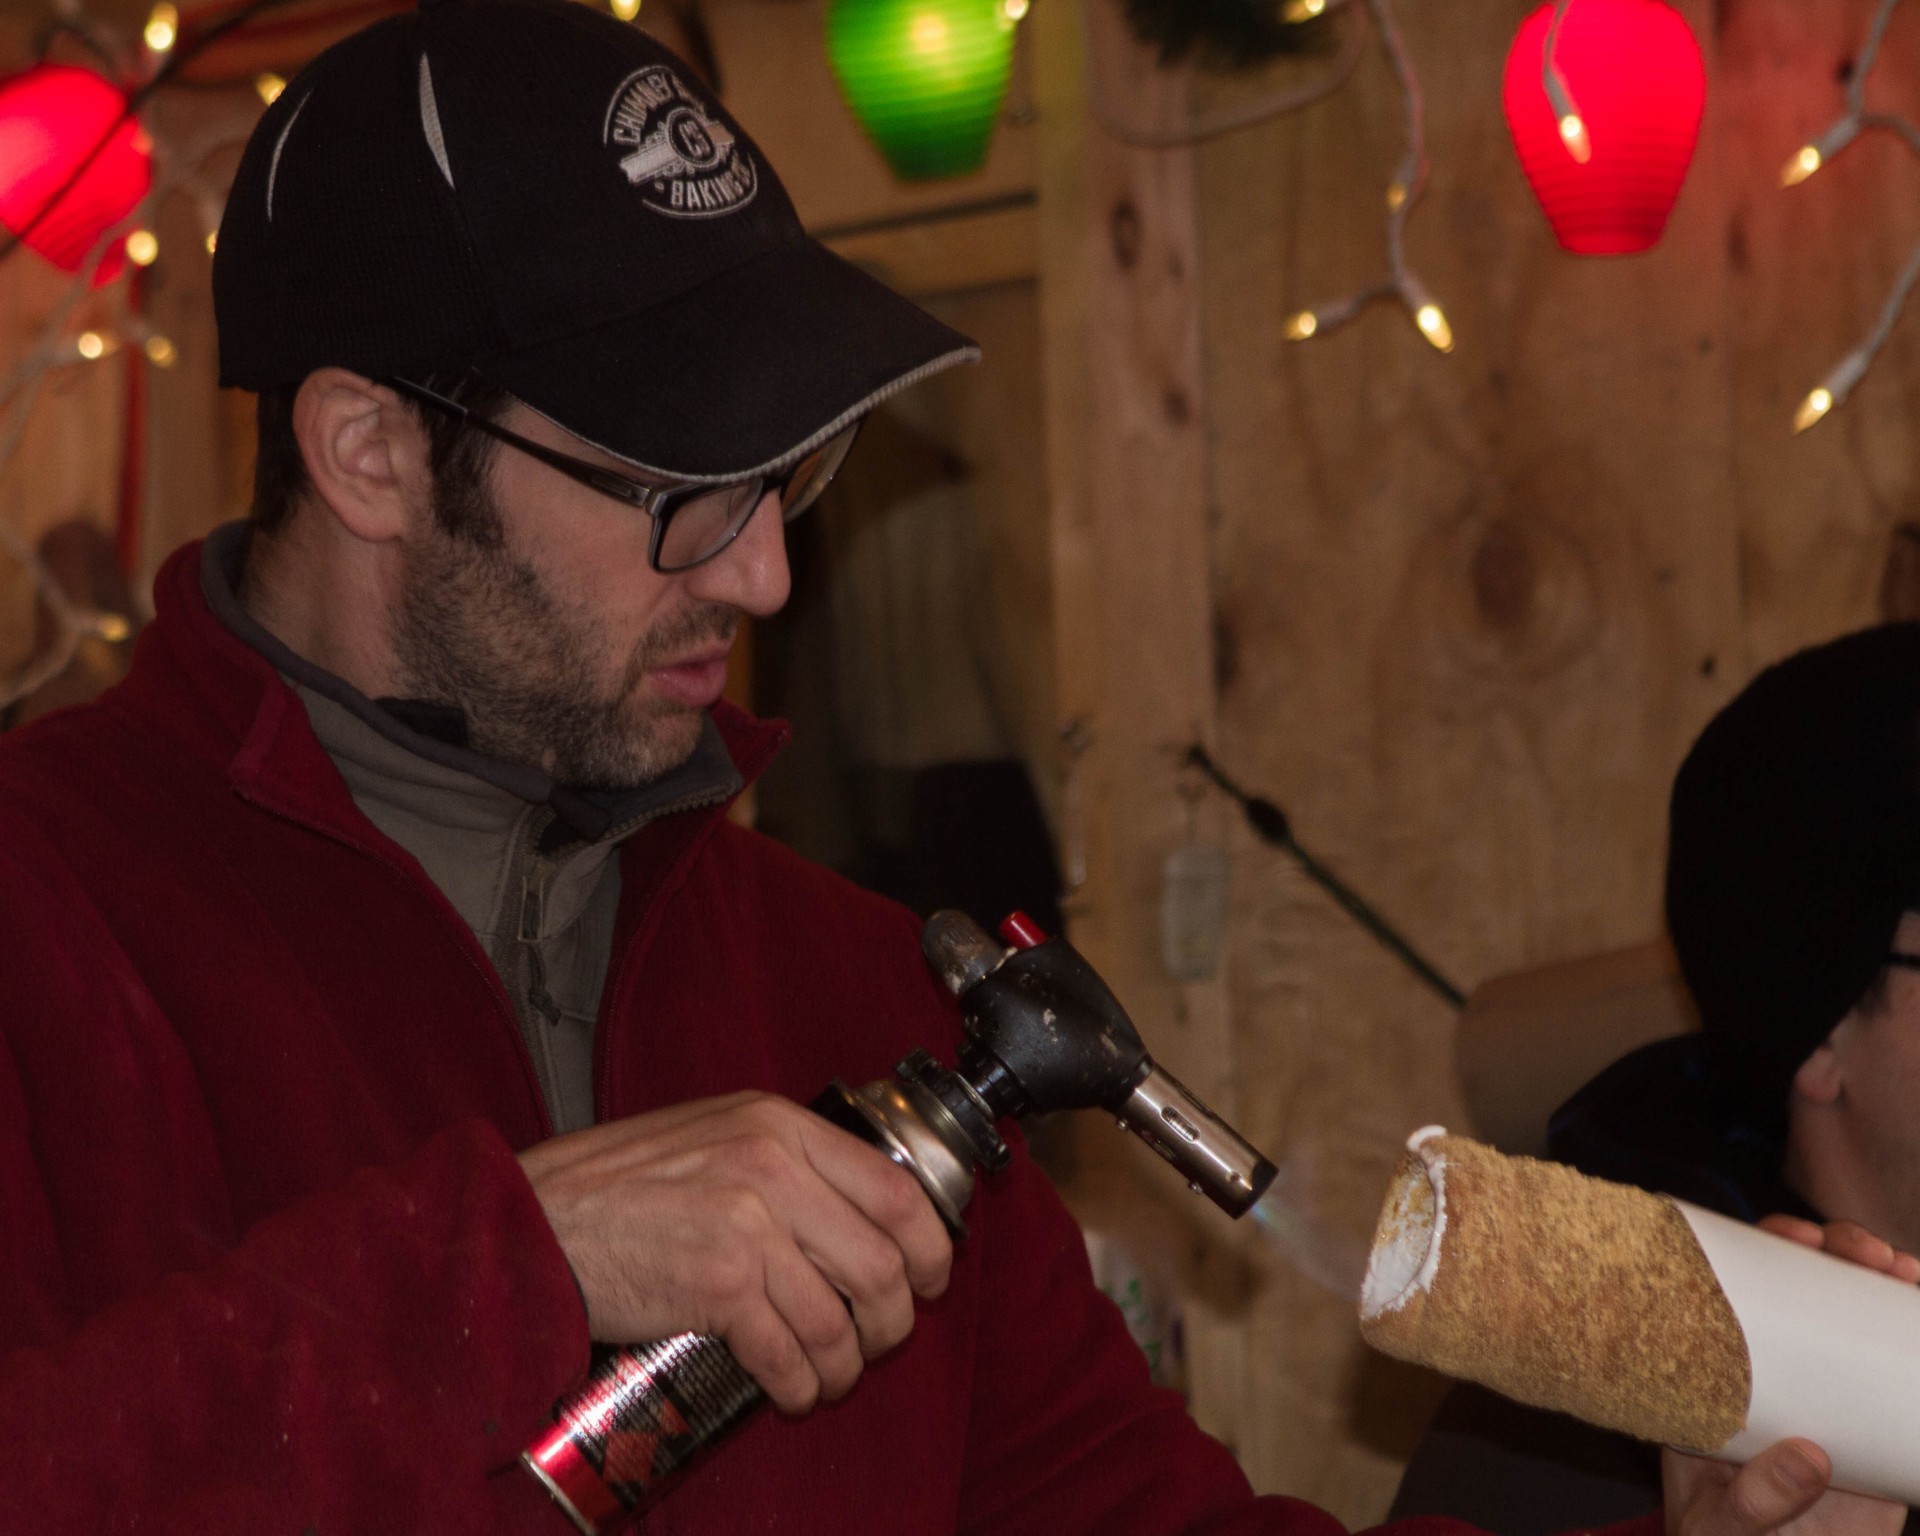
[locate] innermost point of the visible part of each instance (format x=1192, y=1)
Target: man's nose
x=750, y=573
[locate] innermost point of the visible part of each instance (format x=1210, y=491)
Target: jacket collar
x=269, y=751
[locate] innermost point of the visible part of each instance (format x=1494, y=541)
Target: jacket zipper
x=518, y=961
x=523, y=969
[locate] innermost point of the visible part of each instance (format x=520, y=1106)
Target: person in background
x=1793, y=901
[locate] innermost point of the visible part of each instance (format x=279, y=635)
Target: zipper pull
x=532, y=904
x=539, y=999
x=531, y=899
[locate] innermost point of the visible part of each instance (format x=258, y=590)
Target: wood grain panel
x=1133, y=644
x=1463, y=614
x=1472, y=601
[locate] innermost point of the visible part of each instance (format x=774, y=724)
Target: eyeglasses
x=692, y=522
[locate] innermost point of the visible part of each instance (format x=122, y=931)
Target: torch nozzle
x=1215, y=1159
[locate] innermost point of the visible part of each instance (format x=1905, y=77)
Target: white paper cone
x=1835, y=1351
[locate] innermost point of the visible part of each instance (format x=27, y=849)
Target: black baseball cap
x=542, y=193
x=1794, y=848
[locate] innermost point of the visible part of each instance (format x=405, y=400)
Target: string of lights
x=1403, y=194
x=54, y=349
x=62, y=343
x=1833, y=390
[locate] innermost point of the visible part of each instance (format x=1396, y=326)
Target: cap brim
x=741, y=374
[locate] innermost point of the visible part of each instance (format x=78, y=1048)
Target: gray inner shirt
x=528, y=864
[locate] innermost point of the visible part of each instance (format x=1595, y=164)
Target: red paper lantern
x=51, y=117
x=1634, y=73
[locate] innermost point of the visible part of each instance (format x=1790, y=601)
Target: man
x=391, y=1011
x=1793, y=877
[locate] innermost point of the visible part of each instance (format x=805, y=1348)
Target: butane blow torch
x=1043, y=1033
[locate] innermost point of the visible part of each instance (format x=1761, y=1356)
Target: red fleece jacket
x=267, y=1262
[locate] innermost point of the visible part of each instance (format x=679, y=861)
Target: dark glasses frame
x=659, y=502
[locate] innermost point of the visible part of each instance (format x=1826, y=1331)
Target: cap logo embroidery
x=683, y=161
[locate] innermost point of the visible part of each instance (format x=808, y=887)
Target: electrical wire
x=1232, y=119
x=1271, y=825
x=183, y=53
x=1403, y=195
x=1832, y=391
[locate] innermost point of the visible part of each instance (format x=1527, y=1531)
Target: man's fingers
x=817, y=1316
x=768, y=1352
x=873, y=1287
x=1853, y=1242
x=880, y=1190
x=1847, y=1240
x=1781, y=1483
x=891, y=1199
x=1808, y=1234
x=861, y=1260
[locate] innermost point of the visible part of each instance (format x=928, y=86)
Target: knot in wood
x=1123, y=231
x=1504, y=578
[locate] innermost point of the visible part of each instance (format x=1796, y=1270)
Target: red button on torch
x=1021, y=931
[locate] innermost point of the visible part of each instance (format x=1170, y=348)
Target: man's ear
x=1820, y=1076
x=366, y=454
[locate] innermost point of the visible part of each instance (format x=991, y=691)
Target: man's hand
x=1846, y=1240
x=1784, y=1488
x=750, y=1218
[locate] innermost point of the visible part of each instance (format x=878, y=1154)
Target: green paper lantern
x=924, y=78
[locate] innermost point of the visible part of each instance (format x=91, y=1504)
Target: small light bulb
x=1396, y=195
x=1433, y=325
x=928, y=33
x=1816, y=405
x=626, y=10
x=1573, y=133
x=213, y=241
x=91, y=345
x=1297, y=11
x=163, y=27
x=161, y=352
x=269, y=85
x=142, y=248
x=1833, y=390
x=1302, y=325
x=1801, y=166
x=1811, y=157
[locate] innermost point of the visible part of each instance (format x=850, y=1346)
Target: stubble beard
x=480, y=629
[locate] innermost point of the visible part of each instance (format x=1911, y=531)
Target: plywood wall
x=1460, y=615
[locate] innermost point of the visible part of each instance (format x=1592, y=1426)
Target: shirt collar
x=707, y=777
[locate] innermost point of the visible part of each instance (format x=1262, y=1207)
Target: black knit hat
x=535, y=190
x=1795, y=848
